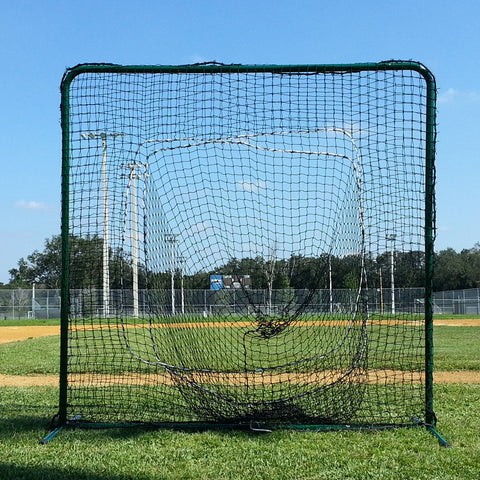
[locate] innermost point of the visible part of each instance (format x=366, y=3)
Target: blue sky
x=40, y=39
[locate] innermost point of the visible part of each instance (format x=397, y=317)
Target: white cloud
x=453, y=95
x=31, y=205
x=199, y=59
x=252, y=187
x=196, y=229
x=448, y=96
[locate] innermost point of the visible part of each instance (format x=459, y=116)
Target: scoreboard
x=220, y=282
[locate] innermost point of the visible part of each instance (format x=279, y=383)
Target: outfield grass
x=168, y=319
x=30, y=322
x=456, y=348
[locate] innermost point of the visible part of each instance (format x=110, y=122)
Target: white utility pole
x=381, y=291
x=172, y=239
x=330, y=284
x=392, y=238
x=33, y=300
x=182, y=261
x=105, y=254
x=133, y=175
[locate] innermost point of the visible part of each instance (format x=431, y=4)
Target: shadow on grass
x=9, y=471
x=106, y=434
x=36, y=423
x=27, y=424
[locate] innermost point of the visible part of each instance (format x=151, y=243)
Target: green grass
x=120, y=454
x=456, y=348
x=36, y=356
x=29, y=323
x=376, y=316
x=139, y=453
x=449, y=316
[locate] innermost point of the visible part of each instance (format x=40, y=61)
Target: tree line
x=452, y=270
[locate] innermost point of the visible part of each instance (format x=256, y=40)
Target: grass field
x=117, y=454
x=456, y=348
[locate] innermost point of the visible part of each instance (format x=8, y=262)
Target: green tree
x=471, y=260
x=22, y=276
x=39, y=267
x=409, y=269
x=85, y=266
x=452, y=270
x=309, y=272
x=449, y=270
x=255, y=267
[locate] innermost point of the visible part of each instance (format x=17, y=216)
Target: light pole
x=33, y=300
x=330, y=284
x=133, y=175
x=172, y=239
x=182, y=262
x=392, y=238
x=105, y=255
x=381, y=291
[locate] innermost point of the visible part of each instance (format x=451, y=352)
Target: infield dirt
x=20, y=333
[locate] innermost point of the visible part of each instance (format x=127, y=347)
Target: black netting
x=234, y=241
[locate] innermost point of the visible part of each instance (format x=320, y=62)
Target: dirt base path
x=464, y=377
x=15, y=334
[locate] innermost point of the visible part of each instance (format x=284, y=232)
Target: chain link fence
x=458, y=302
x=29, y=303
x=45, y=303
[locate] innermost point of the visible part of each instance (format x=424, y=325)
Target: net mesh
x=234, y=238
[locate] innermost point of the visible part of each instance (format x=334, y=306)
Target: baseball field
x=29, y=369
